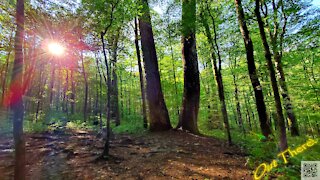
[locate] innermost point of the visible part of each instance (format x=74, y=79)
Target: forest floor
x=72, y=154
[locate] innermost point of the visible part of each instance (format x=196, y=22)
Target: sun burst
x=56, y=49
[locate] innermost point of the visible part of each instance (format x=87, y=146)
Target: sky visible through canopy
x=316, y=2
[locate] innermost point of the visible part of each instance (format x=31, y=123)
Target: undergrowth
x=264, y=152
x=252, y=142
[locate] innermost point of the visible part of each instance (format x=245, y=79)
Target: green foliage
x=80, y=125
x=5, y=123
x=131, y=124
x=36, y=127
x=264, y=152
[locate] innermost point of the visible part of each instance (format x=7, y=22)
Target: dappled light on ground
x=177, y=155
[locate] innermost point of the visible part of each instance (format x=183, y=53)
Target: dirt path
x=169, y=155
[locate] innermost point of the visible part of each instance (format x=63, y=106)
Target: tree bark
x=114, y=83
x=121, y=95
x=73, y=92
x=100, y=93
x=158, y=112
x=53, y=69
x=277, y=45
x=105, y=152
x=248, y=109
x=16, y=102
x=276, y=94
x=41, y=91
x=261, y=106
x=58, y=91
x=85, y=104
x=65, y=90
x=286, y=98
x=143, y=96
x=236, y=95
x=96, y=101
x=191, y=93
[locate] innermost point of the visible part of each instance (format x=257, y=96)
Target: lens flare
x=56, y=48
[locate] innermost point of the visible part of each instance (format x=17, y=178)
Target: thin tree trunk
x=41, y=91
x=121, y=95
x=217, y=72
x=276, y=94
x=115, y=102
x=65, y=90
x=85, y=104
x=129, y=88
x=248, y=109
x=173, y=71
x=236, y=94
x=96, y=102
x=286, y=97
x=143, y=96
x=158, y=112
x=6, y=68
x=277, y=51
x=105, y=152
x=261, y=106
x=100, y=92
x=58, y=91
x=52, y=85
x=4, y=78
x=73, y=92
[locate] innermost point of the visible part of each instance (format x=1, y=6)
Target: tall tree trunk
x=16, y=87
x=276, y=94
x=129, y=88
x=53, y=69
x=236, y=95
x=100, y=92
x=65, y=90
x=41, y=91
x=96, y=101
x=217, y=71
x=85, y=104
x=6, y=68
x=286, y=98
x=4, y=78
x=105, y=152
x=58, y=91
x=191, y=93
x=115, y=93
x=121, y=95
x=248, y=109
x=143, y=96
x=158, y=112
x=114, y=83
x=261, y=106
x=73, y=92
x=276, y=39
x=173, y=70
x=42, y=83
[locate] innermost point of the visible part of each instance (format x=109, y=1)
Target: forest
x=159, y=89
